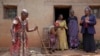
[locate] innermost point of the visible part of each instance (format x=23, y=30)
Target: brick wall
x=41, y=13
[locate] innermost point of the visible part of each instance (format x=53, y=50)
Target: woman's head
x=71, y=13
x=60, y=17
x=24, y=14
x=87, y=11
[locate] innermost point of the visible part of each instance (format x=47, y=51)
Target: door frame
x=59, y=6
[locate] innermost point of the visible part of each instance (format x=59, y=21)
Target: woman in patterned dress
x=73, y=30
x=18, y=31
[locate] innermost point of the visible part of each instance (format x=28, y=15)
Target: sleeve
x=77, y=24
x=93, y=22
x=68, y=20
x=81, y=24
x=76, y=19
x=65, y=25
x=15, y=21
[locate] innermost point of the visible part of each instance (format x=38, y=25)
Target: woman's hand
x=35, y=28
x=87, y=20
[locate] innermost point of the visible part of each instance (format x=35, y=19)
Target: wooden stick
x=23, y=46
x=42, y=42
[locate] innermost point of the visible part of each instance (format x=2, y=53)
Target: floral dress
x=18, y=34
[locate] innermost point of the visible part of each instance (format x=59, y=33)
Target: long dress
x=88, y=31
x=61, y=32
x=17, y=36
x=73, y=32
x=52, y=35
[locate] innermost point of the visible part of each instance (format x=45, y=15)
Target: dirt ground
x=57, y=53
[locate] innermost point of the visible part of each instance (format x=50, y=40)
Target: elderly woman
x=18, y=31
x=61, y=32
x=73, y=30
x=88, y=21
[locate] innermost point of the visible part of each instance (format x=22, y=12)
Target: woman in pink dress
x=53, y=40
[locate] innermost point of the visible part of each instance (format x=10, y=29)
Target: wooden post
x=43, y=44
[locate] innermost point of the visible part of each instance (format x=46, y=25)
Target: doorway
x=62, y=10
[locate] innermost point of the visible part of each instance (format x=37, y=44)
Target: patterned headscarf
x=88, y=9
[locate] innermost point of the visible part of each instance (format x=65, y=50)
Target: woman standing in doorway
x=88, y=21
x=61, y=32
x=73, y=30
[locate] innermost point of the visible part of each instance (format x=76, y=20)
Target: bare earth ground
x=57, y=53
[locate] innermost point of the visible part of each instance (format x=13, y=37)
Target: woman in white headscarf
x=18, y=31
x=73, y=30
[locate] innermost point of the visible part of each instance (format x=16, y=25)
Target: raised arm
x=30, y=30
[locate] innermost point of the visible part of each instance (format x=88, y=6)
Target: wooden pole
x=23, y=51
x=46, y=51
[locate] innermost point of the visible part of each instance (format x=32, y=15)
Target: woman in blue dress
x=73, y=30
